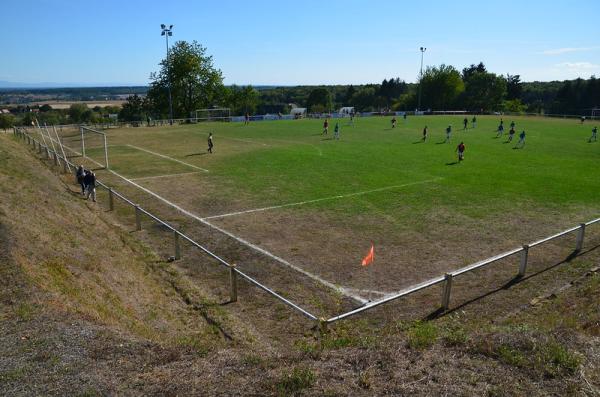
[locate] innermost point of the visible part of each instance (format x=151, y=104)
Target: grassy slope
x=85, y=318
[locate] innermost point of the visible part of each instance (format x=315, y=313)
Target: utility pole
x=168, y=32
x=421, y=77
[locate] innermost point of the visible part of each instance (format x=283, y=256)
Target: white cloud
x=566, y=50
x=578, y=66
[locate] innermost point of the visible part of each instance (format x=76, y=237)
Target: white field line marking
x=344, y=291
x=322, y=199
x=243, y=140
x=341, y=290
x=165, y=176
x=298, y=143
x=168, y=158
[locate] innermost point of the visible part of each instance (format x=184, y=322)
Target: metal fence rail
x=234, y=272
x=177, y=235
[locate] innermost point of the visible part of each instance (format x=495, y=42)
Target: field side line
x=321, y=199
x=165, y=176
x=243, y=140
x=167, y=157
x=341, y=290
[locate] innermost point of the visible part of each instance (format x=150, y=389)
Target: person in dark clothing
x=465, y=123
x=79, y=175
x=210, y=142
x=90, y=185
x=460, y=149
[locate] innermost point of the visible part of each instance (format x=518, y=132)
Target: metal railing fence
x=446, y=279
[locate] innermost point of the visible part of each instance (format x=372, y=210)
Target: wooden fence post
x=138, y=220
x=111, y=199
x=55, y=159
x=524, y=258
x=177, y=245
x=580, y=236
x=447, y=291
x=233, y=283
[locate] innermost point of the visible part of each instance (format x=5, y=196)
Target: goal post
x=85, y=142
x=94, y=145
x=212, y=114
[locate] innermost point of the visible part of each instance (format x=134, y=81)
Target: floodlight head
x=162, y=25
x=162, y=33
x=171, y=27
x=170, y=33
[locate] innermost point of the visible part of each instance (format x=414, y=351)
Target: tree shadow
x=513, y=281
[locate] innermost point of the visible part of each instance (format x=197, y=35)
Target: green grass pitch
x=427, y=213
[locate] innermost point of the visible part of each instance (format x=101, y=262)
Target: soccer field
x=318, y=204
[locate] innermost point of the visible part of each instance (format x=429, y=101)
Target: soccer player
x=336, y=131
x=582, y=119
x=404, y=117
x=594, y=136
x=474, y=121
x=325, y=126
x=210, y=142
x=521, y=142
x=500, y=130
x=246, y=119
x=425, y=134
x=460, y=149
x=448, y=133
x=465, y=122
x=394, y=122
x=511, y=133
x=512, y=124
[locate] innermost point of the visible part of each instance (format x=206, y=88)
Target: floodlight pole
x=421, y=77
x=168, y=32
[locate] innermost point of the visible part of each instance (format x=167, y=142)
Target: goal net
x=85, y=142
x=214, y=114
x=596, y=114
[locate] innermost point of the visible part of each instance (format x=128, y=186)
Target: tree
x=45, y=108
x=6, y=121
x=514, y=87
x=441, y=86
x=195, y=83
x=77, y=111
x=319, y=100
x=364, y=98
x=133, y=109
x=484, y=91
x=242, y=99
x=471, y=70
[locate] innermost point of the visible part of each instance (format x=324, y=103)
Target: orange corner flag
x=367, y=260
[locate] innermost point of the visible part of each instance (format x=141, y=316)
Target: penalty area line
x=340, y=196
x=314, y=277
x=167, y=157
x=143, y=178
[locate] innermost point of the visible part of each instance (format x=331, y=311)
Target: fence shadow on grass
x=438, y=313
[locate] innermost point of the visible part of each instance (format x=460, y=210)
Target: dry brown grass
x=88, y=308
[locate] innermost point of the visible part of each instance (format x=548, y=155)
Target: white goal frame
x=85, y=130
x=225, y=114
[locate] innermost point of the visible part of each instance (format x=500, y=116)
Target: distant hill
x=18, y=85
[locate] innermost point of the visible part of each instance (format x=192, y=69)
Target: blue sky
x=298, y=42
